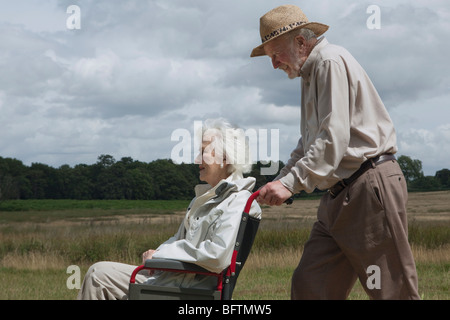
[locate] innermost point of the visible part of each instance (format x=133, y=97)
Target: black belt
x=371, y=163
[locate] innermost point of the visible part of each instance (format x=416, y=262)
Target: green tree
x=39, y=177
x=412, y=169
x=138, y=184
x=427, y=183
x=105, y=160
x=443, y=176
x=169, y=182
x=13, y=181
x=110, y=181
x=80, y=184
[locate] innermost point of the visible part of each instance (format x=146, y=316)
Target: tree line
x=417, y=181
x=135, y=180
x=106, y=179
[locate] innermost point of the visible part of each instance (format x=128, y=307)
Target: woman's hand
x=147, y=255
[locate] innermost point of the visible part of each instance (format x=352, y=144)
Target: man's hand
x=273, y=194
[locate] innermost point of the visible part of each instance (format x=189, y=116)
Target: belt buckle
x=340, y=184
x=331, y=193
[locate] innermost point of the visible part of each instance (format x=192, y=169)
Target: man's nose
x=275, y=63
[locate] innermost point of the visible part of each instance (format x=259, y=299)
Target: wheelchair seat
x=226, y=280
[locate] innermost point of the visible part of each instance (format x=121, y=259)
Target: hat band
x=281, y=30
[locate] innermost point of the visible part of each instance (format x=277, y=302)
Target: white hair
x=308, y=34
x=230, y=144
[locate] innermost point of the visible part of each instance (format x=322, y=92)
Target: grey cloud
x=404, y=58
x=138, y=69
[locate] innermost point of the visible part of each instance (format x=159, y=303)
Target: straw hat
x=281, y=20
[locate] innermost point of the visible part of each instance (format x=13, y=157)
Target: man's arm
x=296, y=155
x=323, y=156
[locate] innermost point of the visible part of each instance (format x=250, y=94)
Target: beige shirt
x=343, y=121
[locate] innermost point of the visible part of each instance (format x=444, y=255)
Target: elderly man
x=347, y=147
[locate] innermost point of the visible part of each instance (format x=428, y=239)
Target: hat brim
x=317, y=28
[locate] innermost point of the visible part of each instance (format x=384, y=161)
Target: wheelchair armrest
x=164, y=264
x=172, y=266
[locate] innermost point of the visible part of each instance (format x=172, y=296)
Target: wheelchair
x=226, y=280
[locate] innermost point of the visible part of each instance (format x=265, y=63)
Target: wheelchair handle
x=255, y=195
x=250, y=201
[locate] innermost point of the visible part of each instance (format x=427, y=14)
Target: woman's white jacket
x=208, y=233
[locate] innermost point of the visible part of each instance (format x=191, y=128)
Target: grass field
x=39, y=240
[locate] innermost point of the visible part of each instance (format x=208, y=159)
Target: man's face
x=286, y=54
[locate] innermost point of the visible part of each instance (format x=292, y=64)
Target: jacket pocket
x=212, y=227
x=202, y=223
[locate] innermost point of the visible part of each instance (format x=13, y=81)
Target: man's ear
x=300, y=40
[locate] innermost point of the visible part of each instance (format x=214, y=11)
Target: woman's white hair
x=230, y=144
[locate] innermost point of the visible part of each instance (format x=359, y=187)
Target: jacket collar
x=234, y=182
x=305, y=71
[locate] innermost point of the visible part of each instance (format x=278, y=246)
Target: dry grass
x=34, y=256
x=429, y=216
x=425, y=255
x=33, y=261
x=260, y=279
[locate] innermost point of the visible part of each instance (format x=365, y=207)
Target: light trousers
x=108, y=281
x=362, y=233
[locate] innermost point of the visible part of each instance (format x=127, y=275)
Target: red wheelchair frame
x=226, y=280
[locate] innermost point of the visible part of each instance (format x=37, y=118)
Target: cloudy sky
x=137, y=70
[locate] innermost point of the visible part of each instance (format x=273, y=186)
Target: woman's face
x=212, y=165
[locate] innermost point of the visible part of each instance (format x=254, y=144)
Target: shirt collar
x=305, y=71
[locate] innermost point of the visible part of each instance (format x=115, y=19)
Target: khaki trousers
x=362, y=233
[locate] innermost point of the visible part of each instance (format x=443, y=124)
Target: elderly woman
x=206, y=236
